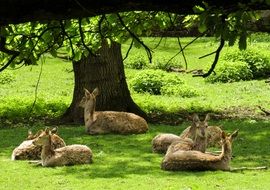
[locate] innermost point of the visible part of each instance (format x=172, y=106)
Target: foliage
x=228, y=27
x=128, y=165
x=76, y=37
x=158, y=82
x=139, y=61
x=55, y=90
x=231, y=72
x=6, y=77
x=149, y=81
x=258, y=60
x=184, y=91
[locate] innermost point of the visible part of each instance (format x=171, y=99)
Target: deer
x=213, y=135
x=194, y=138
x=28, y=151
x=181, y=160
x=67, y=155
x=104, y=122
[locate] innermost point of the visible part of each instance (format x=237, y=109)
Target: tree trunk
x=105, y=71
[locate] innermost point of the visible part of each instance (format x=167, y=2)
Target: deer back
x=117, y=122
x=69, y=155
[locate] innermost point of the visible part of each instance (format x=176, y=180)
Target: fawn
x=104, y=122
x=196, y=160
x=67, y=155
x=28, y=151
x=194, y=138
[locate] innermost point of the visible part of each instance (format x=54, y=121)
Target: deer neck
x=200, y=144
x=226, y=153
x=89, y=111
x=47, y=150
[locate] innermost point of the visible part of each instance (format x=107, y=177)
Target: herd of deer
x=184, y=152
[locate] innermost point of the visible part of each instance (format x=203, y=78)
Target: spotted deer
x=196, y=160
x=28, y=151
x=67, y=155
x=104, y=122
x=194, y=138
x=213, y=133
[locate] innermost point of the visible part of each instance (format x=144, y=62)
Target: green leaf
x=197, y=9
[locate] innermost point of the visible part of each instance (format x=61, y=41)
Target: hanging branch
x=82, y=38
x=130, y=46
x=7, y=51
x=188, y=44
x=180, y=45
x=179, y=42
x=217, y=52
x=36, y=90
x=100, y=26
x=158, y=43
x=148, y=51
x=69, y=38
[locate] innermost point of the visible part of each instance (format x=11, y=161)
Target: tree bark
x=105, y=71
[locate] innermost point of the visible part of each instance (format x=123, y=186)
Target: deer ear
x=47, y=130
x=223, y=135
x=95, y=92
x=207, y=117
x=234, y=134
x=195, y=118
x=30, y=132
x=86, y=93
x=54, y=130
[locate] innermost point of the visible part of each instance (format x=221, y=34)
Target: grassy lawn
x=54, y=94
x=126, y=162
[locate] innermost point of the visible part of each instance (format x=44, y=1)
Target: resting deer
x=109, y=121
x=213, y=133
x=68, y=155
x=28, y=151
x=194, y=138
x=196, y=160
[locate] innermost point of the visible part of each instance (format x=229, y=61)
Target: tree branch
x=7, y=51
x=179, y=42
x=69, y=38
x=264, y=110
x=130, y=46
x=147, y=49
x=217, y=52
x=188, y=44
x=82, y=38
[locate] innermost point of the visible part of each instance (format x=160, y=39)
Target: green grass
x=126, y=162
x=55, y=89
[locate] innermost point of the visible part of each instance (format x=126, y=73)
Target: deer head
x=43, y=138
x=199, y=128
x=89, y=99
x=228, y=139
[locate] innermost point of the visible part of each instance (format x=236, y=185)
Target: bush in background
x=139, y=61
x=231, y=72
x=257, y=60
x=158, y=82
x=6, y=77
